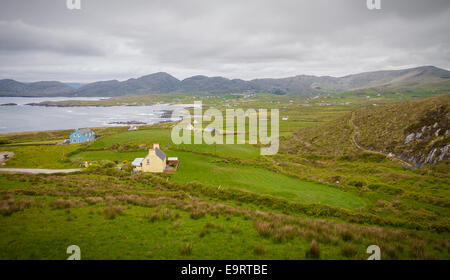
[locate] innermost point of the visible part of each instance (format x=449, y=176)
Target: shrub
x=112, y=211
x=9, y=206
x=186, y=250
x=417, y=251
x=107, y=163
x=381, y=203
x=264, y=228
x=164, y=214
x=204, y=232
x=314, y=250
x=349, y=250
x=197, y=214
x=212, y=225
x=167, y=214
x=259, y=250
x=93, y=200
x=62, y=203
x=346, y=234
x=357, y=184
x=375, y=186
x=390, y=252
x=286, y=232
x=177, y=223
x=235, y=229
x=154, y=216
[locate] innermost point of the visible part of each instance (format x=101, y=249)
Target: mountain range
x=162, y=82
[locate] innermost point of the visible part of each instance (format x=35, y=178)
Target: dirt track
x=35, y=170
x=355, y=133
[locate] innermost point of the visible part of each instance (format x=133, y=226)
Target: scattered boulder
x=409, y=138
x=430, y=156
x=444, y=153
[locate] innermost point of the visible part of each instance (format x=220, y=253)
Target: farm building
x=154, y=161
x=172, y=160
x=82, y=135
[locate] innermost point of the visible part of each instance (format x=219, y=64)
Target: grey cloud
x=16, y=36
x=112, y=39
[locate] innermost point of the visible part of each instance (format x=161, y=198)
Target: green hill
x=415, y=131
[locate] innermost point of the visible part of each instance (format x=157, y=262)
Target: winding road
x=355, y=133
x=38, y=171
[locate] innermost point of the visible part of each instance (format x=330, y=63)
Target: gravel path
x=34, y=170
x=355, y=134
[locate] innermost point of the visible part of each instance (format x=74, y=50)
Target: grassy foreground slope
x=114, y=216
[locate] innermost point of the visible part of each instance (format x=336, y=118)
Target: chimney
x=155, y=146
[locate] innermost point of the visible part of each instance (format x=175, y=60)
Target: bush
x=106, y=163
x=9, y=206
x=314, y=250
x=204, y=232
x=197, y=214
x=112, y=211
x=235, y=229
x=349, y=250
x=347, y=235
x=417, y=251
x=164, y=214
x=259, y=250
x=264, y=228
x=93, y=200
x=152, y=217
x=62, y=203
x=186, y=250
x=357, y=184
x=390, y=190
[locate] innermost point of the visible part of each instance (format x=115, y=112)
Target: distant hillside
x=14, y=88
x=416, y=131
x=75, y=85
x=299, y=85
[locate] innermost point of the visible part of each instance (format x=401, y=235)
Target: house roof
x=137, y=161
x=160, y=154
x=84, y=131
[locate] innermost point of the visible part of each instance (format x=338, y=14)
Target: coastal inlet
x=23, y=117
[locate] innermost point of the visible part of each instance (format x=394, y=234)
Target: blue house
x=82, y=135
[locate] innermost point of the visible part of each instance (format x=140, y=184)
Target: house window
x=148, y=161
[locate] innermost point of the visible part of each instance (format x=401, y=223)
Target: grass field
x=42, y=156
x=150, y=221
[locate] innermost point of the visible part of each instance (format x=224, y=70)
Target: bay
x=22, y=117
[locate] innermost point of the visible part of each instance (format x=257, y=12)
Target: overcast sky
x=117, y=39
